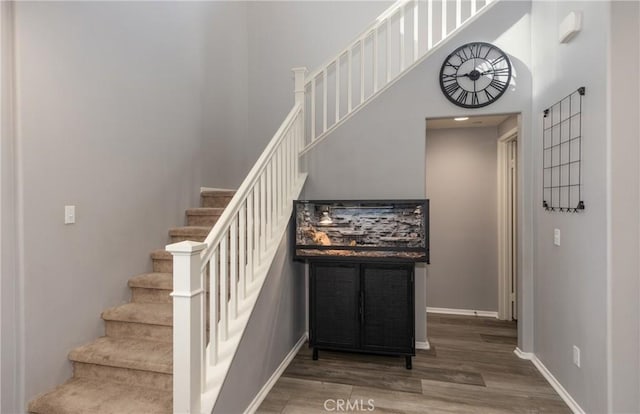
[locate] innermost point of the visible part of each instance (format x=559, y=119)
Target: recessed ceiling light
x=461, y=118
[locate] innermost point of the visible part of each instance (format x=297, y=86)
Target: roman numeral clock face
x=475, y=75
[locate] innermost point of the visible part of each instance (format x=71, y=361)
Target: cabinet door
x=334, y=305
x=387, y=302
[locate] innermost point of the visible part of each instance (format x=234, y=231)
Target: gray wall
x=109, y=119
x=277, y=323
x=624, y=317
x=226, y=96
x=280, y=37
x=9, y=345
x=570, y=289
x=462, y=188
x=380, y=152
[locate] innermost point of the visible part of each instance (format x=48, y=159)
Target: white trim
x=563, y=393
x=466, y=312
x=262, y=394
x=204, y=189
x=523, y=355
x=423, y=345
x=505, y=223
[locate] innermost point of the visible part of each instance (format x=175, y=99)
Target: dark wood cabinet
x=362, y=306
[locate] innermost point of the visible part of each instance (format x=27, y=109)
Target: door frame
x=507, y=225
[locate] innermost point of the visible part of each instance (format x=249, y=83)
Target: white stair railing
x=231, y=264
x=400, y=38
x=233, y=261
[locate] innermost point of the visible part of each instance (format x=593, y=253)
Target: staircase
x=146, y=363
x=129, y=370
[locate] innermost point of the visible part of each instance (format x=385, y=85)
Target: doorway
x=472, y=182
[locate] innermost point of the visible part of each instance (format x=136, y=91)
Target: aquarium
x=381, y=229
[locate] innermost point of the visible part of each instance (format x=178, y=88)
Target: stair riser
x=163, y=265
x=217, y=201
x=135, y=377
x=144, y=295
x=197, y=238
x=202, y=219
x=119, y=329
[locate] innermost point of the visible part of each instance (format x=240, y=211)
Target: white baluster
x=337, y=89
x=375, y=60
x=324, y=99
x=224, y=287
x=278, y=189
x=362, y=70
x=251, y=232
x=313, y=109
x=429, y=24
x=214, y=278
x=402, y=41
x=388, y=53
x=444, y=19
x=233, y=269
x=349, y=81
x=458, y=13
x=268, y=201
x=242, y=251
x=188, y=303
x=416, y=34
x=258, y=220
x=473, y=7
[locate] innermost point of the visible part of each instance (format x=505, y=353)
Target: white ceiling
x=472, y=122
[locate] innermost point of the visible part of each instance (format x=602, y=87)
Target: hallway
x=470, y=368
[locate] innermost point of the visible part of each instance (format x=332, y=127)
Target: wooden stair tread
x=153, y=280
x=128, y=353
x=148, y=313
x=81, y=395
x=161, y=254
x=205, y=211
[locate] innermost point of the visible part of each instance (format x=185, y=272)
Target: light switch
x=556, y=237
x=69, y=214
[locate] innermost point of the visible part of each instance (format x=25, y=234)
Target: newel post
x=188, y=308
x=298, y=90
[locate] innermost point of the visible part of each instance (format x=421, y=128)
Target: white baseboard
x=564, y=394
x=465, y=312
x=423, y=345
x=262, y=394
x=523, y=355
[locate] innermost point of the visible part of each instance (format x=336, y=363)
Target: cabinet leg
x=408, y=362
x=315, y=354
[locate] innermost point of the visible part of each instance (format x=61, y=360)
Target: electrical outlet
x=69, y=214
x=576, y=356
x=556, y=237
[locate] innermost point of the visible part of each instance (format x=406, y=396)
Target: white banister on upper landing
x=399, y=39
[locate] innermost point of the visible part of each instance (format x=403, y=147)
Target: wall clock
x=475, y=75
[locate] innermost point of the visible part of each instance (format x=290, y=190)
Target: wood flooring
x=470, y=368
